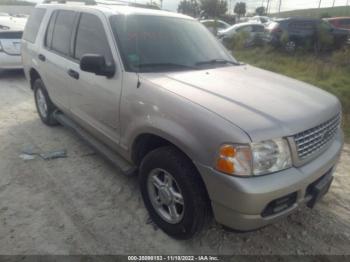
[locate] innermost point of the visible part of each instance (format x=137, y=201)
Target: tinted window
x=10, y=35
x=62, y=31
x=91, y=38
x=247, y=29
x=345, y=22
x=150, y=43
x=221, y=25
x=302, y=25
x=49, y=31
x=258, y=28
x=33, y=24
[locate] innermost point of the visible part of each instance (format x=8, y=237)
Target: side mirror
x=96, y=64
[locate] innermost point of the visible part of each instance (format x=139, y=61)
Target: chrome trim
x=313, y=141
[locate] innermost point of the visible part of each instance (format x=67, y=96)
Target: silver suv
x=160, y=97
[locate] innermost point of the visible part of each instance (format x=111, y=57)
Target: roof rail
x=102, y=2
x=86, y=2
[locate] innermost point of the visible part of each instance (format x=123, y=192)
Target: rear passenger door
x=56, y=56
x=94, y=100
x=301, y=29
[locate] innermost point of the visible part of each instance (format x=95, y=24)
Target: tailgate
x=11, y=42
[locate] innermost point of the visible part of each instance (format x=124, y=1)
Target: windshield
x=156, y=43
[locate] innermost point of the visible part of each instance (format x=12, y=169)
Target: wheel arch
x=147, y=142
x=33, y=75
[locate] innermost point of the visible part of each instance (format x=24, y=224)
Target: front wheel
x=173, y=193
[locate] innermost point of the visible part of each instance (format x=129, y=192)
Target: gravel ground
x=81, y=205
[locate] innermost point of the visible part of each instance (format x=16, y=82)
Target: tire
x=43, y=104
x=194, y=212
x=290, y=46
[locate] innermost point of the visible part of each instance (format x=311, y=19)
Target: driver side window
x=91, y=38
x=247, y=29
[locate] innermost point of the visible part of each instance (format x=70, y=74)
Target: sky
x=252, y=4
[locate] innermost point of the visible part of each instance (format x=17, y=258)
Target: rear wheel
x=43, y=104
x=290, y=46
x=173, y=193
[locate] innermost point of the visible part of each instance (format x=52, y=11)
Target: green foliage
x=284, y=37
x=213, y=8
x=317, y=12
x=188, y=7
x=325, y=15
x=240, y=8
x=239, y=41
x=329, y=71
x=152, y=5
x=260, y=10
x=15, y=2
x=341, y=57
x=228, y=18
x=325, y=39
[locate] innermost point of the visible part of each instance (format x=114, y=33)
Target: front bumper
x=10, y=61
x=239, y=202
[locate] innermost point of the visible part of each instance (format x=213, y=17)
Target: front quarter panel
x=151, y=109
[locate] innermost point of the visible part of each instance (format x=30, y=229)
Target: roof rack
x=86, y=2
x=101, y=2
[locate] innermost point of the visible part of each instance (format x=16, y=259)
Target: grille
x=312, y=140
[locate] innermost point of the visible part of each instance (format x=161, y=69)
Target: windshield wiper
x=165, y=65
x=216, y=61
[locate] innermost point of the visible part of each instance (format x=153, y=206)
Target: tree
x=240, y=9
x=188, y=7
x=152, y=5
x=15, y=2
x=260, y=10
x=213, y=8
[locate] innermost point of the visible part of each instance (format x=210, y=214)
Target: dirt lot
x=81, y=205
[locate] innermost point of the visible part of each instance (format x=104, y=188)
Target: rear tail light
x=276, y=30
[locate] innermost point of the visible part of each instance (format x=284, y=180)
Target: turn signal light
x=234, y=160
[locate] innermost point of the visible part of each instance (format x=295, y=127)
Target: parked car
x=340, y=22
x=260, y=19
x=294, y=32
x=215, y=26
x=11, y=32
x=160, y=97
x=253, y=31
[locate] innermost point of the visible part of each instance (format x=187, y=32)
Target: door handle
x=42, y=57
x=73, y=74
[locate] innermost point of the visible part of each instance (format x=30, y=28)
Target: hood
x=264, y=104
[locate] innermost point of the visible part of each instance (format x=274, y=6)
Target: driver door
x=94, y=102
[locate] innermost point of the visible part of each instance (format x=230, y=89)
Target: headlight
x=270, y=156
x=254, y=159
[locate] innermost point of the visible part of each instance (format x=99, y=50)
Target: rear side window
x=33, y=24
x=258, y=29
x=302, y=25
x=62, y=31
x=247, y=29
x=344, y=22
x=49, y=30
x=91, y=38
